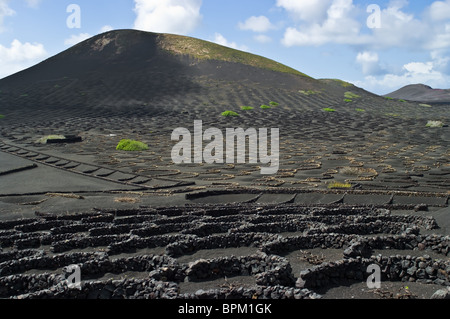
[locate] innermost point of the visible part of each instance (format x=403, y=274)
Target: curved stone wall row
x=394, y=268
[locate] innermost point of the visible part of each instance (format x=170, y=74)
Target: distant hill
x=421, y=93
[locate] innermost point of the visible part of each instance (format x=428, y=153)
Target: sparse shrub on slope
x=435, y=124
x=350, y=95
x=309, y=92
x=335, y=185
x=230, y=113
x=131, y=146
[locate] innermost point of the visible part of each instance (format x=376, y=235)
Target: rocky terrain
x=363, y=180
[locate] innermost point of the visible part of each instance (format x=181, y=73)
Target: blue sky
x=377, y=45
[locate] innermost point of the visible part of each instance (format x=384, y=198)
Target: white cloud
x=340, y=26
x=220, y=39
x=262, y=38
x=439, y=10
x=369, y=62
x=257, y=24
x=419, y=68
x=5, y=11
x=440, y=38
x=343, y=22
x=20, y=56
x=400, y=29
x=441, y=59
x=77, y=38
x=367, y=57
x=411, y=73
x=167, y=16
x=307, y=10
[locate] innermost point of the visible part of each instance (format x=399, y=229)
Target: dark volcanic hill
x=421, y=93
x=135, y=75
x=118, y=71
x=128, y=68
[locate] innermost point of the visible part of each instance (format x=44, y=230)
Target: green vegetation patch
x=425, y=105
x=131, y=146
x=335, y=185
x=264, y=106
x=435, y=124
x=351, y=95
x=344, y=84
x=274, y=103
x=348, y=100
x=230, y=113
x=2, y=116
x=246, y=108
x=309, y=92
x=329, y=109
x=389, y=98
x=204, y=50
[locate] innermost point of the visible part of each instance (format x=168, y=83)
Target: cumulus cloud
x=307, y=10
x=441, y=60
x=339, y=26
x=257, y=24
x=370, y=63
x=440, y=39
x=343, y=22
x=411, y=73
x=5, y=11
x=220, y=39
x=419, y=68
x=400, y=29
x=167, y=16
x=19, y=56
x=439, y=10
